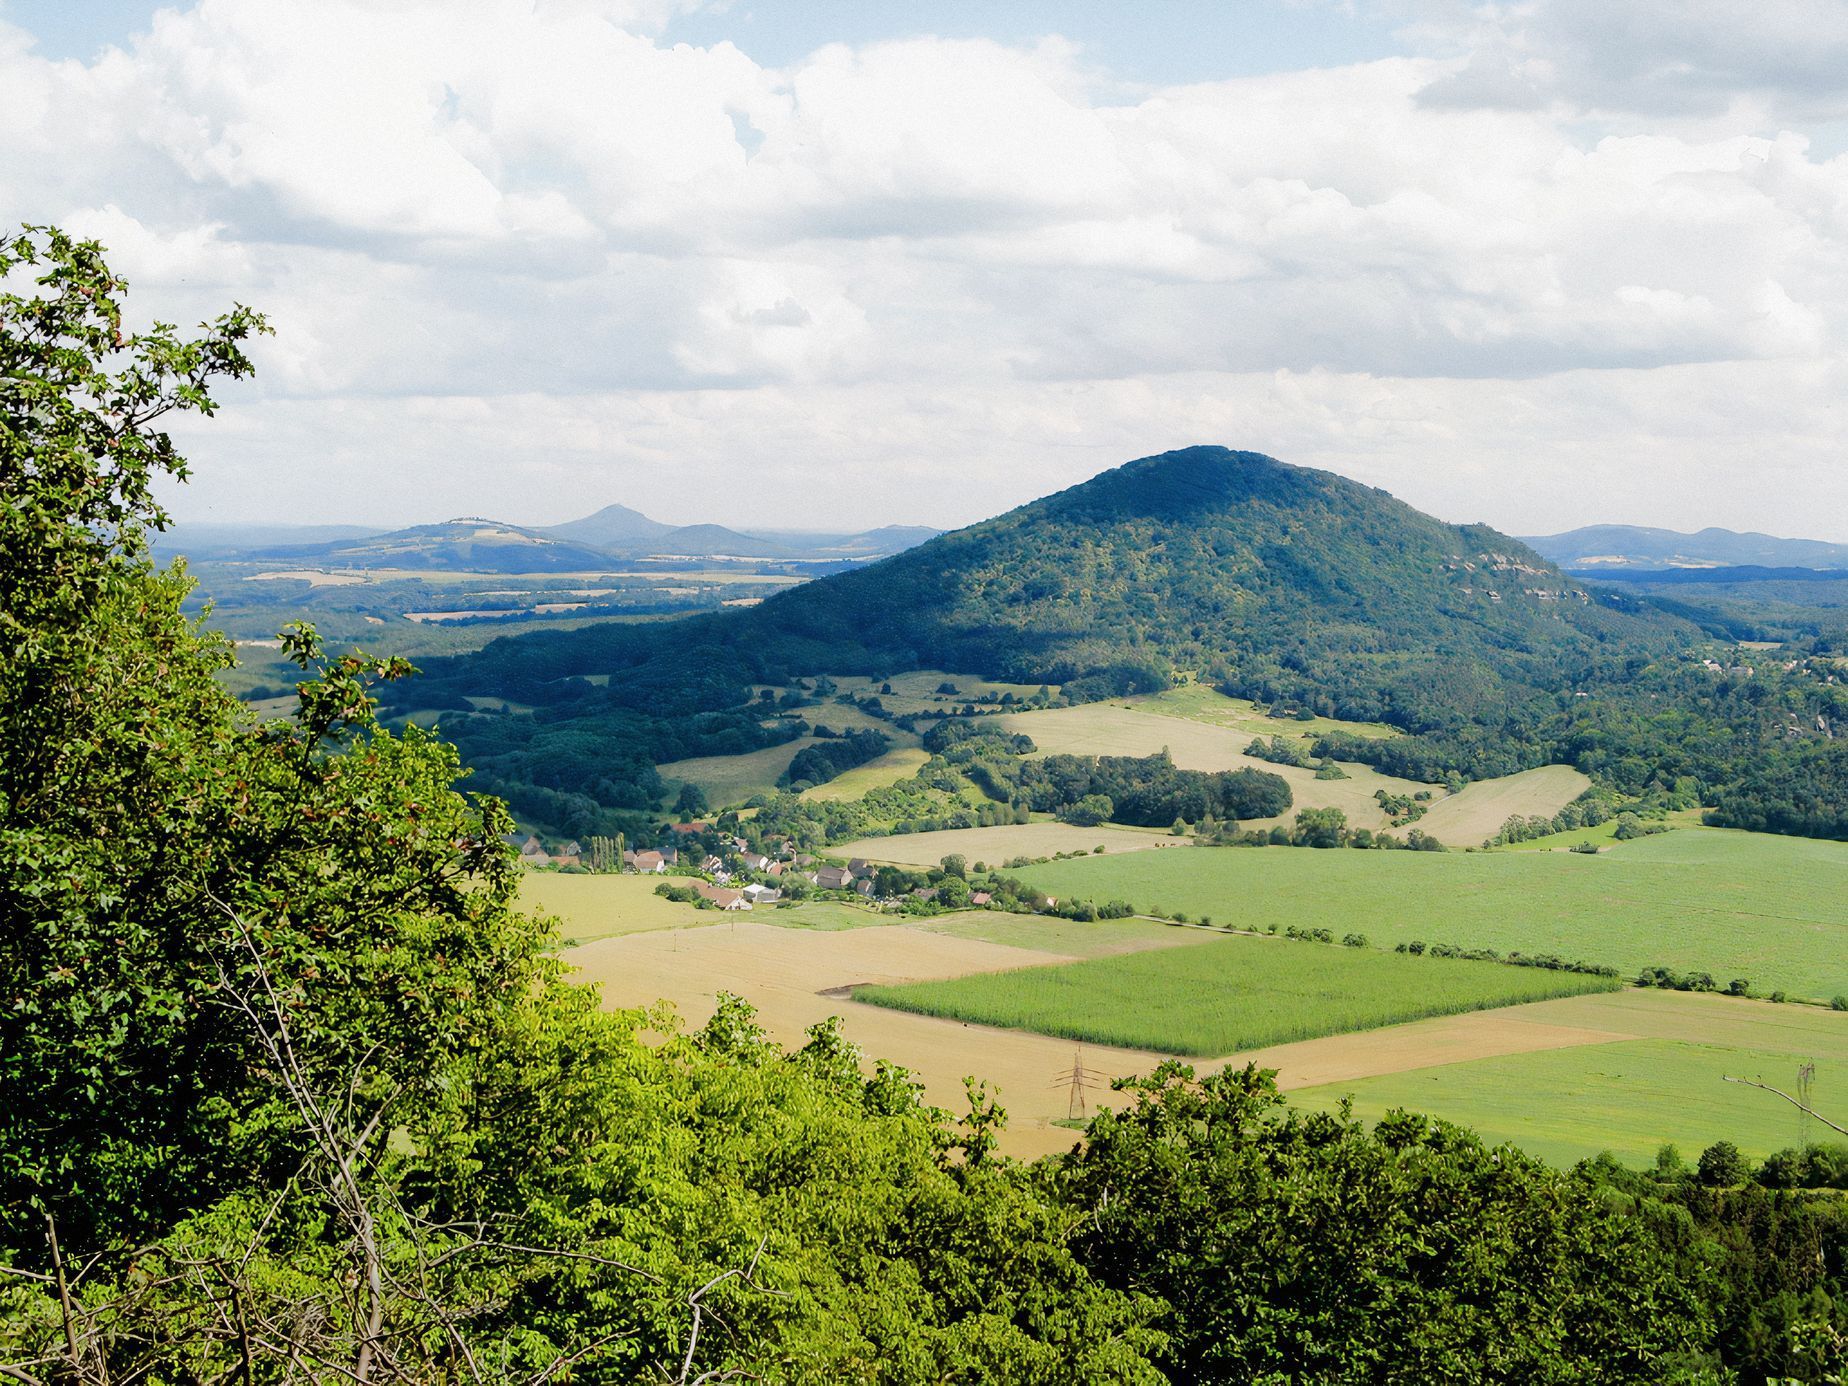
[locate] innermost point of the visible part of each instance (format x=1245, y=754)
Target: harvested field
x=1127, y=729
x=997, y=845
x=794, y=979
x=1477, y=813
x=598, y=906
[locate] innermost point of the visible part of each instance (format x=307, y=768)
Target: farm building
x=724, y=898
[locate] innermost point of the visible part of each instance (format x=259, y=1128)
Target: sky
x=841, y=263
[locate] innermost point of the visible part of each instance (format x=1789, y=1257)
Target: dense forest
x=291, y=1091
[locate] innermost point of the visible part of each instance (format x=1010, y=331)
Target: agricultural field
x=1000, y=844
x=1068, y=937
x=1223, y=995
x=1477, y=813
x=1127, y=728
x=916, y=691
x=1731, y=904
x=798, y=977
x=733, y=779
x=1204, y=704
x=602, y=906
x=1654, y=1072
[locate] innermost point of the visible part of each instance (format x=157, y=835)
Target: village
x=715, y=866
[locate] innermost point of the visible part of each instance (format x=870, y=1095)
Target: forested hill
x=1275, y=581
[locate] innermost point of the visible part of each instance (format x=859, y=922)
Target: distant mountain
x=613, y=527
x=1272, y=580
x=465, y=545
x=1277, y=580
x=714, y=541
x=1612, y=548
x=211, y=539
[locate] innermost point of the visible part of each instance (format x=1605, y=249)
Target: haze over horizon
x=771, y=266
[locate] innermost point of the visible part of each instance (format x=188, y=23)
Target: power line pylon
x=1077, y=1082
x=1806, y=1084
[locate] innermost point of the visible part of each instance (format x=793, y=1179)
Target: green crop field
x=1733, y=904
x=1629, y=1097
x=1228, y=994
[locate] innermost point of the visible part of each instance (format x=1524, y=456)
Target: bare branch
x=1800, y=1106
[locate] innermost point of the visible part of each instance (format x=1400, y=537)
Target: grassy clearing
x=1629, y=1098
x=1131, y=728
x=733, y=779
x=1204, y=704
x=1604, y=835
x=597, y=906
x=1477, y=814
x=898, y=764
x=1228, y=994
x=1729, y=903
x=997, y=845
x=820, y=916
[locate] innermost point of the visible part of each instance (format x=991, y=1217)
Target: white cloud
x=508, y=242
x=1776, y=59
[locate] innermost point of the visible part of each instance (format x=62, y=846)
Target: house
x=738, y=844
x=926, y=893
x=980, y=897
x=689, y=829
x=533, y=854
x=725, y=899
x=776, y=868
x=833, y=878
x=804, y=859
x=860, y=866
x=754, y=861
x=864, y=886
x=647, y=863
x=761, y=894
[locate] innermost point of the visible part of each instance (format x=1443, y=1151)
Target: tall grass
x=1229, y=994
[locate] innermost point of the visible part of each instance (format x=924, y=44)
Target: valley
x=771, y=703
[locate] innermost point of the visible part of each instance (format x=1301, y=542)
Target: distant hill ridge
x=1613, y=548
x=472, y=543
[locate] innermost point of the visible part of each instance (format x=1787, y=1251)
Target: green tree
x=1722, y=1166
x=1306, y=1248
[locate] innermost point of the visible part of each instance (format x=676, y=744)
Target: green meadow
x=1228, y=994
x=1769, y=909
x=1628, y=1098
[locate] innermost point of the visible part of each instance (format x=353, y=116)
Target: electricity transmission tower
x=1806, y=1083
x=1077, y=1082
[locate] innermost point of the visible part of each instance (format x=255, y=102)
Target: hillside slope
x=1274, y=581
x=1277, y=581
